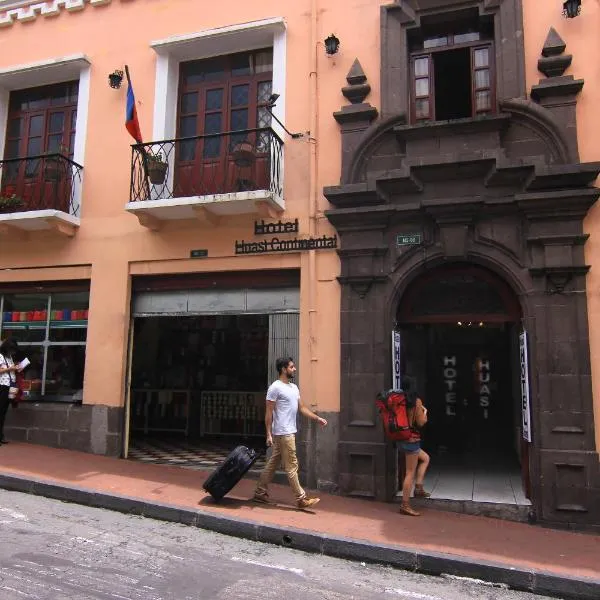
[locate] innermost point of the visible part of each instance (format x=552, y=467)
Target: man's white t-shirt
x=285, y=396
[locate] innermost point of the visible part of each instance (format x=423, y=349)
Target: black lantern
x=571, y=8
x=115, y=79
x=332, y=45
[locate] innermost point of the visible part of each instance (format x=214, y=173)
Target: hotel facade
x=377, y=190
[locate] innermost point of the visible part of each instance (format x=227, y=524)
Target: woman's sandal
x=420, y=492
x=405, y=509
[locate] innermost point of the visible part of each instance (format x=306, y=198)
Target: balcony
x=207, y=177
x=39, y=193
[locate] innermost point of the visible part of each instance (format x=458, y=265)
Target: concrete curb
x=432, y=563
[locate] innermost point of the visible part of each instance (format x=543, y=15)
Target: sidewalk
x=557, y=563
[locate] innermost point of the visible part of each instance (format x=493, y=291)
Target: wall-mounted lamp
x=270, y=105
x=332, y=45
x=115, y=79
x=571, y=9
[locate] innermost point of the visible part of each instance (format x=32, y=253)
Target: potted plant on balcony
x=156, y=167
x=243, y=154
x=10, y=203
x=52, y=163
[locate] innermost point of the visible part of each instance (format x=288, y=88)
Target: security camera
x=272, y=99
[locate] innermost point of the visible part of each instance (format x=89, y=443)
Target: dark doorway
x=466, y=381
x=197, y=387
x=452, y=72
x=459, y=330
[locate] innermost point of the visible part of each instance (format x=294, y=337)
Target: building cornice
x=24, y=11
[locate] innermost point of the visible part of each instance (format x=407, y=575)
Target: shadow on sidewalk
x=231, y=503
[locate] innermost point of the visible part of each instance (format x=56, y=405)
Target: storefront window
x=51, y=330
x=24, y=317
x=68, y=317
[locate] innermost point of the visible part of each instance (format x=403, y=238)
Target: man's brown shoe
x=262, y=499
x=307, y=502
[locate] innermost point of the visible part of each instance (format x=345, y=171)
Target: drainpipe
x=313, y=197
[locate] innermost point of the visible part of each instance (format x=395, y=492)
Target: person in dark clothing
x=8, y=379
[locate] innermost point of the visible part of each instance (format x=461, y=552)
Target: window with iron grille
x=40, y=140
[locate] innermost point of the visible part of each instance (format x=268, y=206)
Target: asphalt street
x=50, y=550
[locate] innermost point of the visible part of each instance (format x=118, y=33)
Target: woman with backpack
x=417, y=460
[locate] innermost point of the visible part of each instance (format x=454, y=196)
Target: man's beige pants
x=284, y=451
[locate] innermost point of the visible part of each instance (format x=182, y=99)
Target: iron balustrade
x=202, y=165
x=44, y=182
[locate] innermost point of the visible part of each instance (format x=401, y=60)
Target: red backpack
x=394, y=415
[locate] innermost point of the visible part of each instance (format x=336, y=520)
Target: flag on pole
x=131, y=118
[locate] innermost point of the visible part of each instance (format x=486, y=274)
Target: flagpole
x=142, y=149
x=127, y=75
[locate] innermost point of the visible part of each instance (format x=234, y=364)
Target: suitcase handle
x=262, y=452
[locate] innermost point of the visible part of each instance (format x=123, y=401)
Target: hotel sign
x=262, y=228
x=396, y=364
x=277, y=244
x=525, y=400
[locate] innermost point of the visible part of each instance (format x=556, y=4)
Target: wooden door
x=218, y=98
x=41, y=121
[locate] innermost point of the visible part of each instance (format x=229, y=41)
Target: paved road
x=51, y=550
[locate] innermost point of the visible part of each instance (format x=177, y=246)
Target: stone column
x=566, y=472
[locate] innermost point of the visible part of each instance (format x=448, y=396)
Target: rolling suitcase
x=236, y=465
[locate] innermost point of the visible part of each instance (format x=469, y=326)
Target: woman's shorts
x=410, y=447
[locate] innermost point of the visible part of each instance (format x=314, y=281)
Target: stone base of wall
x=87, y=428
x=317, y=452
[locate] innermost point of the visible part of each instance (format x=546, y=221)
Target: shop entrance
x=199, y=367
x=197, y=386
x=459, y=332
x=469, y=388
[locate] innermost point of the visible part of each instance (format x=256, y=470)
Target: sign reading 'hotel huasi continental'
x=277, y=244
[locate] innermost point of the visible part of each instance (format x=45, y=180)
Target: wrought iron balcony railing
x=45, y=182
x=224, y=163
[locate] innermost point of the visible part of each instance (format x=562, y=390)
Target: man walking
x=283, y=403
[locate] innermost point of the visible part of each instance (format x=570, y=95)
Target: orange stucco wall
x=581, y=37
x=113, y=245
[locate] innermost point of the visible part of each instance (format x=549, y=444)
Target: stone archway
x=376, y=274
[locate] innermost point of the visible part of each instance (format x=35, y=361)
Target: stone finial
x=358, y=88
x=557, y=92
x=554, y=44
x=553, y=62
x=357, y=116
